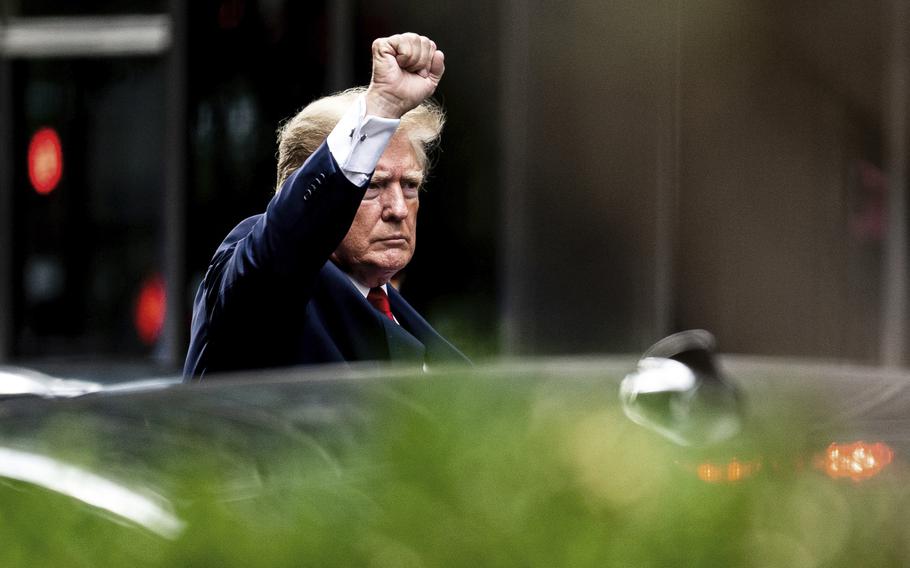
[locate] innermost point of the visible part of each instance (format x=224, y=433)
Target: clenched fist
x=406, y=70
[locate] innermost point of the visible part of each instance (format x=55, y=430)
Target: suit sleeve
x=288, y=245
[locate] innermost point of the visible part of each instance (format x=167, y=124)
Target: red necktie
x=380, y=301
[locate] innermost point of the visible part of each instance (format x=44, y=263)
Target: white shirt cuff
x=358, y=141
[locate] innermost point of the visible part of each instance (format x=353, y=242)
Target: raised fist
x=406, y=70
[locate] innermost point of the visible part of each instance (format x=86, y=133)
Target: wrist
x=382, y=106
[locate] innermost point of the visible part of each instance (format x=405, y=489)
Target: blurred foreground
x=522, y=465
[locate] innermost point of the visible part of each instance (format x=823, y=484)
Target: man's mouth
x=393, y=239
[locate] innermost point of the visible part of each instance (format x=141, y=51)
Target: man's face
x=383, y=236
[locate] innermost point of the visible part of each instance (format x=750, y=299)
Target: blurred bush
x=461, y=471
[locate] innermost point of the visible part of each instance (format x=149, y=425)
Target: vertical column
x=513, y=268
x=897, y=82
x=175, y=332
x=341, y=39
x=6, y=209
x=667, y=202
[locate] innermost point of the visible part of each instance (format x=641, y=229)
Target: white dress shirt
x=358, y=141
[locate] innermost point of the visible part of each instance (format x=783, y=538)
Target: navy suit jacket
x=271, y=297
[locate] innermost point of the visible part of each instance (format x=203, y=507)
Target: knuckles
x=413, y=53
x=407, y=44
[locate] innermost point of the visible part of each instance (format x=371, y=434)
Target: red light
x=151, y=305
x=856, y=461
x=45, y=160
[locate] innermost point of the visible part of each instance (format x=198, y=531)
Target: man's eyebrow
x=379, y=176
x=414, y=176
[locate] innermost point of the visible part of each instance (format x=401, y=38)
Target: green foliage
x=462, y=471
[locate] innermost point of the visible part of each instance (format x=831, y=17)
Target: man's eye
x=372, y=191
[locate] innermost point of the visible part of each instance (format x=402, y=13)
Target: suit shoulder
x=241, y=230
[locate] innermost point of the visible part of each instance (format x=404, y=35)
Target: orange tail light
x=857, y=460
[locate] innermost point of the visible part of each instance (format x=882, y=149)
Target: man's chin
x=385, y=265
x=390, y=268
x=390, y=259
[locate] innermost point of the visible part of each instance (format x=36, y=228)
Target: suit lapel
x=362, y=333
x=402, y=345
x=438, y=350
x=350, y=320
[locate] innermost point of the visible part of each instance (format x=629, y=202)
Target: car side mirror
x=679, y=392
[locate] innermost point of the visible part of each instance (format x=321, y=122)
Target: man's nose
x=394, y=205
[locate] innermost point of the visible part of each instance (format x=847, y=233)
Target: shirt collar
x=362, y=288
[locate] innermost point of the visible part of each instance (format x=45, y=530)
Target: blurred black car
x=526, y=463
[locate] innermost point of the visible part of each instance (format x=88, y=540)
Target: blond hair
x=303, y=133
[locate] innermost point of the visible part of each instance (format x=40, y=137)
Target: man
x=307, y=281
